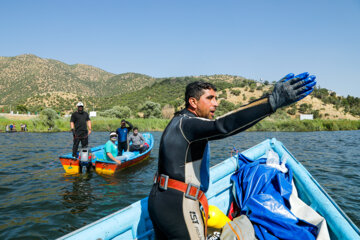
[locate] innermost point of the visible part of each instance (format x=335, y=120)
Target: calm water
x=37, y=201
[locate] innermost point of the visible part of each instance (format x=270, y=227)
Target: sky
x=257, y=39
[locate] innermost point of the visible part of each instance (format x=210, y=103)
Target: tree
x=48, y=117
x=117, y=112
x=224, y=107
x=21, y=108
x=151, y=110
x=122, y=112
x=305, y=108
x=235, y=92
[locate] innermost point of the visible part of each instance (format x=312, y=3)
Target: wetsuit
x=81, y=132
x=184, y=156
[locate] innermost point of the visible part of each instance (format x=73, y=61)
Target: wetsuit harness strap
x=191, y=191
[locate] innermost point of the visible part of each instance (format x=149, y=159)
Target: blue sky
x=255, y=39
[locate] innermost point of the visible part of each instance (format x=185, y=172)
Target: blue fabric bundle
x=262, y=193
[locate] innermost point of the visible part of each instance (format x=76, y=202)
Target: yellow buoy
x=217, y=219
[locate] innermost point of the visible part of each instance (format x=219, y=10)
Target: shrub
x=48, y=117
x=167, y=111
x=291, y=111
x=117, y=112
x=151, y=110
x=223, y=94
x=235, y=92
x=224, y=107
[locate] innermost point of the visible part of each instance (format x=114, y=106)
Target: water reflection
x=80, y=197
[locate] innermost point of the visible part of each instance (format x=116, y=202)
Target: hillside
x=233, y=91
x=30, y=80
x=30, y=83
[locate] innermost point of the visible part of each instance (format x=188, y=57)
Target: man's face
x=123, y=124
x=80, y=109
x=207, y=104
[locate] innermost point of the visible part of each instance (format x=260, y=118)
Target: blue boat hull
x=133, y=222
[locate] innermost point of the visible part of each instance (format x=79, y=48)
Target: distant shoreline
x=100, y=124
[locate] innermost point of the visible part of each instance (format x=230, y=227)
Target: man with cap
x=80, y=125
x=110, y=149
x=122, y=133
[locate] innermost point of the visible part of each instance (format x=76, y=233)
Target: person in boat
x=138, y=141
x=80, y=125
x=182, y=177
x=111, y=150
x=122, y=133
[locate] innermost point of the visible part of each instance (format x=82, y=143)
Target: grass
x=98, y=124
x=109, y=124
x=306, y=125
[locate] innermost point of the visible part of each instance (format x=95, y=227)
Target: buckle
x=155, y=178
x=165, y=183
x=188, y=189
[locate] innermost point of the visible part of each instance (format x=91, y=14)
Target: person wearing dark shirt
x=182, y=177
x=80, y=125
x=122, y=133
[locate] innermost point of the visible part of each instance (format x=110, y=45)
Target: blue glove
x=291, y=89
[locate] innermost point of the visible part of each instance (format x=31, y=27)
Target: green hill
x=34, y=82
x=31, y=83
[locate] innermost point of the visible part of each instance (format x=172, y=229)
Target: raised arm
x=130, y=127
x=195, y=128
x=286, y=91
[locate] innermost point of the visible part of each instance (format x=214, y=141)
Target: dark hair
x=195, y=90
x=123, y=120
x=135, y=128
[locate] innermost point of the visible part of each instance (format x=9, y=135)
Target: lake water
x=37, y=200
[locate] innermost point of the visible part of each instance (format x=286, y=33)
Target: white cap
x=80, y=104
x=113, y=134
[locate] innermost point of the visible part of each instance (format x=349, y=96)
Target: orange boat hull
x=111, y=168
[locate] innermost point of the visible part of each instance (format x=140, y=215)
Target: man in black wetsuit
x=183, y=167
x=80, y=125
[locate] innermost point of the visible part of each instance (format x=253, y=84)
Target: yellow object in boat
x=217, y=219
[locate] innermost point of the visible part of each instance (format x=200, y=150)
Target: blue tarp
x=262, y=193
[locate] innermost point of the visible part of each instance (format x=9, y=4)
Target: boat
x=105, y=167
x=133, y=222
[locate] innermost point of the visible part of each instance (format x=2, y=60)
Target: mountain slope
x=31, y=83
x=26, y=76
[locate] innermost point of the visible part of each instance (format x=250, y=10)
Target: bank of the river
x=98, y=124
x=108, y=124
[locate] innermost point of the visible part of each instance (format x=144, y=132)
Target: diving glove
x=291, y=89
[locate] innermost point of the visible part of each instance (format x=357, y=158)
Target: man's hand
x=118, y=162
x=291, y=89
x=89, y=132
x=73, y=132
